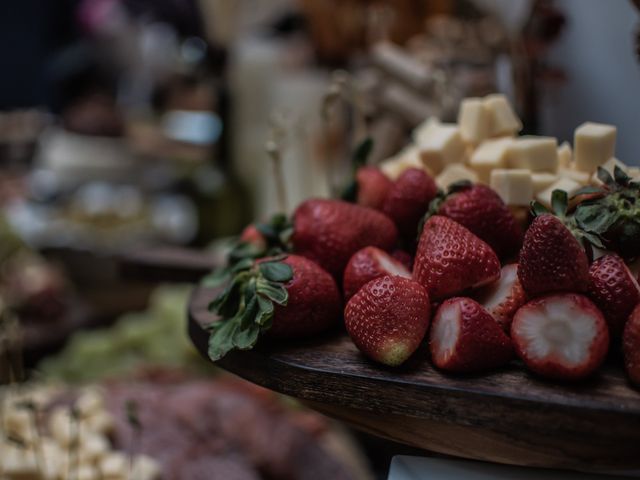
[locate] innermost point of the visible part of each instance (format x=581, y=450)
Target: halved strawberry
x=562, y=336
x=404, y=258
x=614, y=289
x=465, y=338
x=551, y=259
x=503, y=297
x=451, y=259
x=367, y=264
x=373, y=187
x=388, y=318
x=631, y=346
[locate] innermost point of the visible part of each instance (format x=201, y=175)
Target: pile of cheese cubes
x=484, y=146
x=62, y=446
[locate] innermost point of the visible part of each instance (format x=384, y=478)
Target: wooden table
x=507, y=416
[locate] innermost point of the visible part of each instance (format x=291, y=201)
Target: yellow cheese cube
x=474, y=120
x=489, y=155
x=538, y=154
x=576, y=175
x=595, y=143
x=455, y=173
x=515, y=187
x=424, y=129
x=609, y=166
x=565, y=155
x=502, y=118
x=564, y=183
x=542, y=180
x=442, y=146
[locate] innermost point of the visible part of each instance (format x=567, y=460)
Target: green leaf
x=246, y=335
x=227, y=303
x=620, y=176
x=595, y=217
x=221, y=338
x=538, y=209
x=273, y=291
x=350, y=192
x=265, y=310
x=559, y=202
x=276, y=271
x=242, y=265
x=362, y=152
x=215, y=278
x=588, y=190
x=244, y=250
x=459, y=186
x=605, y=177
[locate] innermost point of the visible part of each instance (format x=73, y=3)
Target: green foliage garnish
x=359, y=158
x=246, y=306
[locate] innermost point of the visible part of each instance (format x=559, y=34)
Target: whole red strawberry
x=465, y=338
x=408, y=200
x=329, y=232
x=561, y=336
x=551, y=259
x=285, y=297
x=613, y=288
x=314, y=302
x=631, y=346
x=388, y=318
x=252, y=236
x=482, y=211
x=450, y=259
x=373, y=187
x=404, y=258
x=367, y=264
x=504, y=296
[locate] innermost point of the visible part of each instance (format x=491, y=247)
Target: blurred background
x=132, y=135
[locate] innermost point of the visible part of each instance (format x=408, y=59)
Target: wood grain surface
x=506, y=416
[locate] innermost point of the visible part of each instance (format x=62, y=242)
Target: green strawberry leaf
x=620, y=176
x=228, y=302
x=350, y=192
x=459, y=186
x=559, y=202
x=221, y=338
x=605, y=177
x=587, y=190
x=361, y=153
x=595, y=217
x=265, y=311
x=272, y=290
x=276, y=271
x=538, y=209
x=216, y=278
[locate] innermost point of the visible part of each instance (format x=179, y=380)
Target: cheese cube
x=609, y=166
x=502, y=119
x=455, y=173
x=595, y=143
x=145, y=468
x=18, y=423
x=92, y=447
x=424, y=129
x=19, y=463
x=576, y=175
x=442, y=146
x=114, y=465
x=409, y=157
x=542, y=180
x=474, y=120
x=634, y=173
x=489, y=155
x=515, y=187
x=565, y=155
x=91, y=401
x=538, y=154
x=566, y=184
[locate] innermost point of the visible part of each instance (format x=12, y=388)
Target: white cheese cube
x=442, y=146
x=595, y=143
x=101, y=422
x=145, y=468
x=566, y=184
x=89, y=402
x=409, y=157
x=114, y=465
x=538, y=154
x=576, y=175
x=515, y=187
x=19, y=463
x=474, y=120
x=489, y=155
x=609, y=166
x=565, y=155
x=542, y=180
x=502, y=118
x=454, y=173
x=634, y=173
x=19, y=423
x=92, y=448
x=424, y=129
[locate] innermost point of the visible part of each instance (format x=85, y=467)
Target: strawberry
x=613, y=288
x=503, y=297
x=482, y=211
x=372, y=187
x=562, y=336
x=631, y=346
x=329, y=232
x=409, y=199
x=465, y=338
x=403, y=257
x=388, y=318
x=367, y=264
x=451, y=259
x=285, y=297
x=551, y=259
x=252, y=236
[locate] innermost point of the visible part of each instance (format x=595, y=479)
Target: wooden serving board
x=507, y=416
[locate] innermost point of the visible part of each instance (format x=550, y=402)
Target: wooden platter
x=507, y=416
